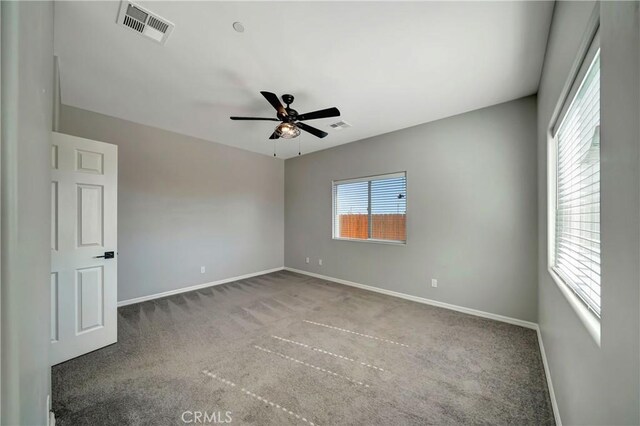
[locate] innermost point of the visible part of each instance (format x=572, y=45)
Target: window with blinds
x=371, y=209
x=576, y=251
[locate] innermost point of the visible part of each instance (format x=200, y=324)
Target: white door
x=84, y=187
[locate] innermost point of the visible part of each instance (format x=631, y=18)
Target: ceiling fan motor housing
x=293, y=114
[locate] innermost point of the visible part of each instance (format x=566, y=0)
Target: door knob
x=107, y=255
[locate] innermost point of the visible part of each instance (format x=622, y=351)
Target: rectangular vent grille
x=340, y=125
x=133, y=24
x=144, y=22
x=158, y=24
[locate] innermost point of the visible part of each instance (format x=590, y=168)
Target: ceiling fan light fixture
x=287, y=130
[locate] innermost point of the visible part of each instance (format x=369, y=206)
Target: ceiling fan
x=291, y=121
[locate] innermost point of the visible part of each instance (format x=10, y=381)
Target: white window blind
x=576, y=257
x=372, y=208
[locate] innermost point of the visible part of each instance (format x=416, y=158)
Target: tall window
x=371, y=209
x=576, y=250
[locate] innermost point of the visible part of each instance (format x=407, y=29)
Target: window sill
x=388, y=242
x=588, y=318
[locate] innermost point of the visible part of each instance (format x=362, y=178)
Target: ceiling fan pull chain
x=299, y=139
x=274, y=148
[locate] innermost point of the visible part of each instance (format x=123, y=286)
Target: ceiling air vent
x=340, y=125
x=144, y=22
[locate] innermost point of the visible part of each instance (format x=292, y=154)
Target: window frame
x=587, y=53
x=370, y=178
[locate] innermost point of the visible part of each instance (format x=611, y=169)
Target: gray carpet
x=285, y=349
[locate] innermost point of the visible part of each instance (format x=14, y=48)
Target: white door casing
x=83, y=226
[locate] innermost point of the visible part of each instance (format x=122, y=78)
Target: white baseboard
x=547, y=372
x=418, y=299
x=195, y=287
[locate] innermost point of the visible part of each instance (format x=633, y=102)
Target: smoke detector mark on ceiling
x=340, y=125
x=238, y=27
x=144, y=22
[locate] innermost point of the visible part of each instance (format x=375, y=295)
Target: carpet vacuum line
x=315, y=367
x=356, y=333
x=322, y=351
x=258, y=397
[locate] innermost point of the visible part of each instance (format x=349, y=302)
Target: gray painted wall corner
x=471, y=198
x=184, y=203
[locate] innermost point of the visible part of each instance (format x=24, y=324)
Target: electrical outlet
x=307, y=260
x=434, y=282
x=320, y=262
x=202, y=269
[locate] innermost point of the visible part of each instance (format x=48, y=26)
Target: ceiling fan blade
x=274, y=135
x=272, y=98
x=254, y=118
x=323, y=113
x=315, y=132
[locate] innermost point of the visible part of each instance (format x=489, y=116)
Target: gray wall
x=185, y=203
x=471, y=200
x=597, y=385
x=27, y=69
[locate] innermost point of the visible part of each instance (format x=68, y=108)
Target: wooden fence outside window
x=384, y=226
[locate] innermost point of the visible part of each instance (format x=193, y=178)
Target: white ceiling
x=385, y=65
